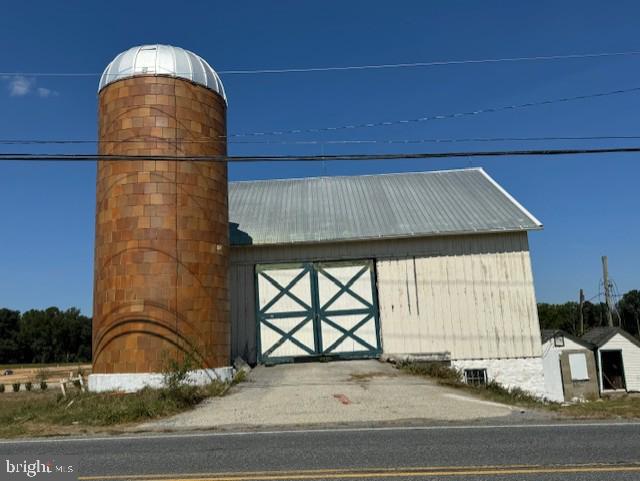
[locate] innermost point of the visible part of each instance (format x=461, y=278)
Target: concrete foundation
x=523, y=373
x=131, y=382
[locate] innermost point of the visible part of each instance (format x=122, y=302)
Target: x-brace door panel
x=286, y=325
x=347, y=308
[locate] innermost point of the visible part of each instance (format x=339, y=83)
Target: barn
x=618, y=357
x=429, y=264
x=569, y=367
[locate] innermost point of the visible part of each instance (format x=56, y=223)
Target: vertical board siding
x=471, y=295
x=243, y=312
x=630, y=360
x=474, y=305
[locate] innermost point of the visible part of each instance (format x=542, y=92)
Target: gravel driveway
x=335, y=393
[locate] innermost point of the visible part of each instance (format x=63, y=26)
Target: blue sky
x=588, y=204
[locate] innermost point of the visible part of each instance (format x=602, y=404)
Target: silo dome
x=162, y=60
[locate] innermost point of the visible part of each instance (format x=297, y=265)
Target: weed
x=1, y=388
x=445, y=374
x=241, y=376
x=16, y=386
x=43, y=385
x=28, y=385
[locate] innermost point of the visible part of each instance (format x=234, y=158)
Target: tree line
x=566, y=316
x=44, y=336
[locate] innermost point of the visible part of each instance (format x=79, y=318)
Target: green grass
x=40, y=413
x=618, y=407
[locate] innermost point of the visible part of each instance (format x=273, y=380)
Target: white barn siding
x=630, y=360
x=471, y=295
x=477, y=305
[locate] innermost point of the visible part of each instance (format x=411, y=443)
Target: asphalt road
x=514, y=452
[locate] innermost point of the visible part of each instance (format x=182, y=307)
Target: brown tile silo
x=162, y=235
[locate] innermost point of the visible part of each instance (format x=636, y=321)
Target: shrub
x=16, y=386
x=444, y=373
x=43, y=385
x=175, y=373
x=28, y=385
x=1, y=388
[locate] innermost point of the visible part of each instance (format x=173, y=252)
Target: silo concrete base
x=135, y=381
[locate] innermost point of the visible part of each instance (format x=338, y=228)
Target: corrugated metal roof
x=324, y=209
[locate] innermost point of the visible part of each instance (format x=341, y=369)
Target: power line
x=429, y=64
x=440, y=117
x=315, y=141
x=432, y=117
x=436, y=63
x=313, y=158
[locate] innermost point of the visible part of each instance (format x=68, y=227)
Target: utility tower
x=607, y=290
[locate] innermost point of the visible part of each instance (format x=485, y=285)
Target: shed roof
x=326, y=209
x=599, y=336
x=547, y=334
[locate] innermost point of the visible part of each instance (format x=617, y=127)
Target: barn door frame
x=317, y=315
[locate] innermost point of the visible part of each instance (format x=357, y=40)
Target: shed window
x=477, y=377
x=578, y=365
x=558, y=340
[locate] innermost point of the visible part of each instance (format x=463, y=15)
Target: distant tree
x=9, y=326
x=629, y=309
x=594, y=315
x=53, y=335
x=558, y=316
x=565, y=316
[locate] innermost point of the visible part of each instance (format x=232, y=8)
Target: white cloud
x=20, y=86
x=44, y=93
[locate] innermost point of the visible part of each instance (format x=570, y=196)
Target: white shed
x=618, y=358
x=426, y=263
x=569, y=367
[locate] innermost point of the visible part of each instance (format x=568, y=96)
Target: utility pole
x=581, y=315
x=607, y=289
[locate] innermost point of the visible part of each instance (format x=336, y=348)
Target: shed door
x=321, y=309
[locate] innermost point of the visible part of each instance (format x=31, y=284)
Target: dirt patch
x=368, y=376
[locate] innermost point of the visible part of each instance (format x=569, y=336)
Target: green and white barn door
x=347, y=310
x=327, y=308
x=286, y=325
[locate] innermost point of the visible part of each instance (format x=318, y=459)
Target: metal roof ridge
x=385, y=174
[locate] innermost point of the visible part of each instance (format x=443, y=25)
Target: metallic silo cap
x=162, y=60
